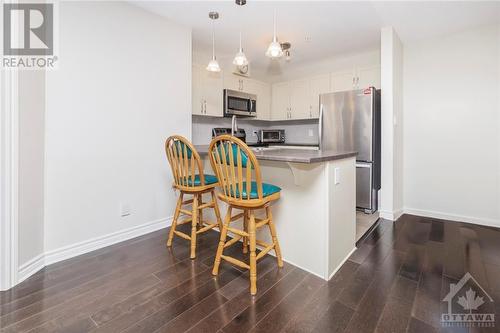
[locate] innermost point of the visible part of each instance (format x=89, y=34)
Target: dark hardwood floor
x=394, y=282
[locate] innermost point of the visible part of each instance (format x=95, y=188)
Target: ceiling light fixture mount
x=240, y=59
x=274, y=50
x=213, y=65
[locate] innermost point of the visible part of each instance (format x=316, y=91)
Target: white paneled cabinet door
x=299, y=99
x=232, y=81
x=318, y=85
x=342, y=81
x=263, y=92
x=198, y=104
x=368, y=77
x=280, y=106
x=213, y=93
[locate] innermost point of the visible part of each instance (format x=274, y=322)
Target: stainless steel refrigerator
x=350, y=120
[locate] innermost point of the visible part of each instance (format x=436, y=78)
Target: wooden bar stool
x=189, y=179
x=236, y=165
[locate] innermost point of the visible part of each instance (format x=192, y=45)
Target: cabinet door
x=197, y=106
x=212, y=93
x=369, y=77
x=342, y=81
x=263, y=92
x=300, y=99
x=280, y=101
x=249, y=86
x=318, y=85
x=232, y=81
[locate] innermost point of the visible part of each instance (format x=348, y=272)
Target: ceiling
x=319, y=29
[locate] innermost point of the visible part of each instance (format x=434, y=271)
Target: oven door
x=240, y=104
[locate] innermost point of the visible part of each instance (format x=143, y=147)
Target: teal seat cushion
x=209, y=179
x=267, y=189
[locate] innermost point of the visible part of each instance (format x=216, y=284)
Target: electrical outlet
x=125, y=209
x=310, y=132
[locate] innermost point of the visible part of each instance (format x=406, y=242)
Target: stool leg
x=174, y=221
x=272, y=230
x=216, y=210
x=222, y=241
x=253, y=257
x=194, y=222
x=245, y=228
x=200, y=211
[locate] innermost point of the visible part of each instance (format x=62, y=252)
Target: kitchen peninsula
x=315, y=216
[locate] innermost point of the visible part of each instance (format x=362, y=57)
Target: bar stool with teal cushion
x=189, y=179
x=240, y=180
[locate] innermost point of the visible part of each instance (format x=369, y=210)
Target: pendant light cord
x=274, y=36
x=213, y=40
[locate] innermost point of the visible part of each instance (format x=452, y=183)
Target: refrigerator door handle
x=320, y=126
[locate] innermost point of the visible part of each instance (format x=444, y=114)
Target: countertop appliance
x=239, y=103
x=350, y=120
x=271, y=136
x=240, y=133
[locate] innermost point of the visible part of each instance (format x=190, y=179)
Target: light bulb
x=213, y=66
x=274, y=50
x=240, y=59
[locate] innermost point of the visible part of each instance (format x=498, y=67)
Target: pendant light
x=240, y=59
x=274, y=50
x=213, y=65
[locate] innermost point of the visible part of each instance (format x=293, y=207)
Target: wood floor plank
x=322, y=300
x=335, y=320
x=290, y=306
x=223, y=315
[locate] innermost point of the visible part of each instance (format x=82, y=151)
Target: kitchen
x=276, y=116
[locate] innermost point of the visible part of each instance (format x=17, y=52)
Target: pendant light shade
x=274, y=50
x=213, y=65
x=240, y=59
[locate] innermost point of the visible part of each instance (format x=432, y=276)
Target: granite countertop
x=292, y=155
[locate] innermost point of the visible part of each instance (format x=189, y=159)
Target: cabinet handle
x=354, y=82
x=205, y=106
x=357, y=82
x=201, y=104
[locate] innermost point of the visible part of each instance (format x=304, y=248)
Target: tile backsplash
x=296, y=131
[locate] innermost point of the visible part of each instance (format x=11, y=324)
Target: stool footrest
x=206, y=205
x=237, y=216
x=187, y=202
x=261, y=243
x=207, y=227
x=235, y=261
x=181, y=234
x=238, y=232
x=186, y=212
x=232, y=241
x=264, y=252
x=185, y=221
x=261, y=222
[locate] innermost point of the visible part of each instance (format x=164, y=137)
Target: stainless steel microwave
x=239, y=103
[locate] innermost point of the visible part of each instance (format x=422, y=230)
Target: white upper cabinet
x=318, y=85
x=368, y=76
x=300, y=99
x=280, y=101
x=263, y=92
x=207, y=92
x=342, y=81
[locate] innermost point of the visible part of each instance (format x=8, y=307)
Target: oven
x=239, y=103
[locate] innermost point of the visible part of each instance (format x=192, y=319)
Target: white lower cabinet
x=207, y=93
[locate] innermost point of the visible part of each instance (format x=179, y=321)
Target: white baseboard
x=452, y=217
x=343, y=262
x=31, y=267
x=67, y=252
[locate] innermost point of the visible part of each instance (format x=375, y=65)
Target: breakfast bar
x=315, y=217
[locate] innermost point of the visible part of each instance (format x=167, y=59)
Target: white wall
x=122, y=87
x=391, y=193
x=452, y=126
x=31, y=88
